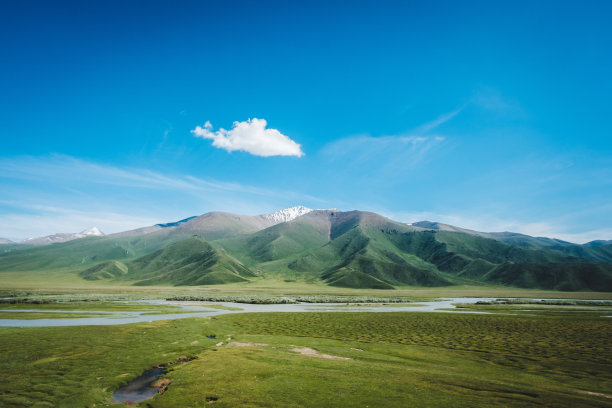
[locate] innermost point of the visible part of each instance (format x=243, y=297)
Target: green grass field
x=19, y=283
x=563, y=359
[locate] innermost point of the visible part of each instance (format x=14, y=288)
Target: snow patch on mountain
x=64, y=237
x=287, y=214
x=91, y=232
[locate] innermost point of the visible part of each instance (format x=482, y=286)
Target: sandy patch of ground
x=307, y=351
x=237, y=344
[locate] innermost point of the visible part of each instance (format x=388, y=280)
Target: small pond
x=139, y=389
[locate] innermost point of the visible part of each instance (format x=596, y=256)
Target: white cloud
x=490, y=99
x=250, y=136
x=439, y=121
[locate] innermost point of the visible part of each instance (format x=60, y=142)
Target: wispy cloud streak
x=387, y=152
x=45, y=195
x=69, y=170
x=439, y=121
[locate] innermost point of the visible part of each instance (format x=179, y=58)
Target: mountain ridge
x=63, y=237
x=355, y=249
x=505, y=236
x=258, y=222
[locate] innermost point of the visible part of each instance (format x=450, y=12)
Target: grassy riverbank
x=272, y=289
x=388, y=359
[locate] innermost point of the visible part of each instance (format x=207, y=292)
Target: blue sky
x=487, y=115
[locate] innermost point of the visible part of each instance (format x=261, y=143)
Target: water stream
x=200, y=309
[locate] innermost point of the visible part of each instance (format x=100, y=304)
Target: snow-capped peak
x=287, y=214
x=64, y=237
x=93, y=231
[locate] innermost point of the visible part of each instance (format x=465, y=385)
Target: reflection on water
x=140, y=389
x=199, y=309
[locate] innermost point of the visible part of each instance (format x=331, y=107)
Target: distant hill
x=188, y=262
x=484, y=259
x=211, y=226
x=63, y=237
x=598, y=243
x=599, y=251
x=513, y=238
x=127, y=245
x=105, y=270
x=354, y=249
x=191, y=261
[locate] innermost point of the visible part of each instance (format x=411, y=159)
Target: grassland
x=17, y=284
x=521, y=354
x=394, y=359
x=548, y=309
x=79, y=366
x=33, y=315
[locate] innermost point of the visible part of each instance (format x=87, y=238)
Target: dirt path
x=307, y=351
x=237, y=344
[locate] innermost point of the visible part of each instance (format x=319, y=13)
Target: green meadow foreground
x=522, y=355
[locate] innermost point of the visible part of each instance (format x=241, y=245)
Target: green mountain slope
x=489, y=260
x=84, y=251
x=511, y=238
x=527, y=241
x=125, y=246
x=350, y=249
x=600, y=253
x=188, y=262
x=560, y=276
x=105, y=270
x=360, y=255
x=281, y=241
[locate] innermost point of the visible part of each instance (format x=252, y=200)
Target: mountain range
x=353, y=249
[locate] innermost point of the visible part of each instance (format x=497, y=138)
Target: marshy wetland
x=509, y=353
x=35, y=317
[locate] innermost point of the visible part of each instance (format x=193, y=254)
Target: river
x=200, y=309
